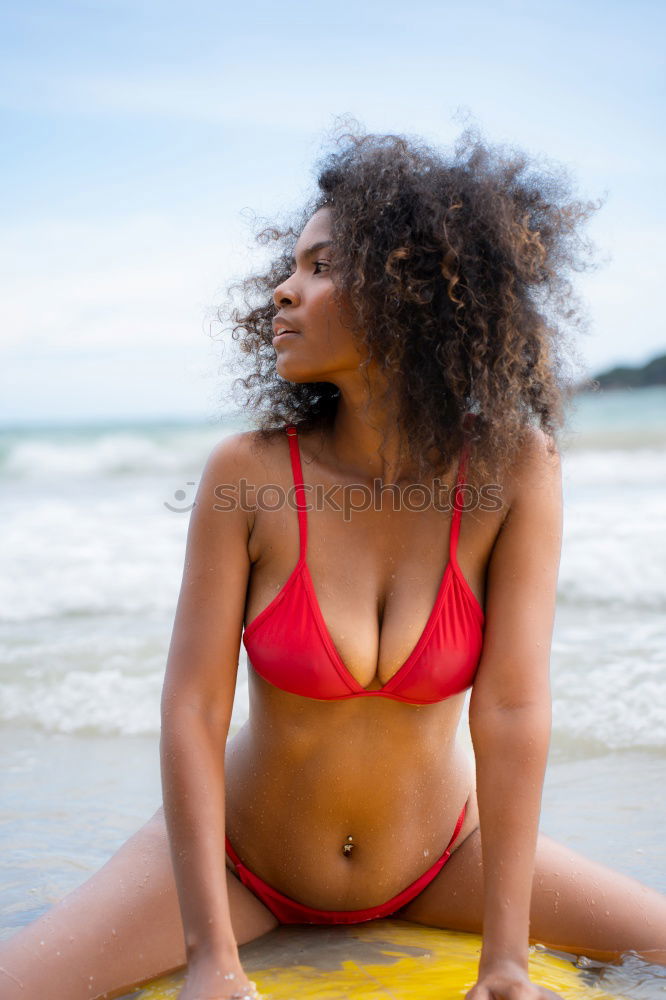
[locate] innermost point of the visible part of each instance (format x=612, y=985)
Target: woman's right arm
x=197, y=700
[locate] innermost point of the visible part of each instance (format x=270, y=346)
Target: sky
x=142, y=138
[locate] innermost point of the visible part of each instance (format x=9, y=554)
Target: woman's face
x=319, y=347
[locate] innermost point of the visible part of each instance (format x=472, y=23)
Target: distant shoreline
x=652, y=373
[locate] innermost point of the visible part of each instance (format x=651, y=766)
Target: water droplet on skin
x=42, y=943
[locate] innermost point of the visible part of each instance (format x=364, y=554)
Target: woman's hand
x=508, y=981
x=209, y=979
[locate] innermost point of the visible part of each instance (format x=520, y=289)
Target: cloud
x=112, y=282
x=113, y=316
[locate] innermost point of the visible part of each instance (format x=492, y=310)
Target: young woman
x=388, y=537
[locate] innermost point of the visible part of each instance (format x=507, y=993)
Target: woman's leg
x=578, y=905
x=118, y=929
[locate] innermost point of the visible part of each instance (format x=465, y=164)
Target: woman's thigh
x=578, y=905
x=120, y=928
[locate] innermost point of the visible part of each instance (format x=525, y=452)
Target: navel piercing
x=347, y=848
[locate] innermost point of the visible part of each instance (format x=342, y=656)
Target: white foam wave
x=614, y=544
x=609, y=679
x=615, y=469
x=107, y=702
x=106, y=454
x=119, y=552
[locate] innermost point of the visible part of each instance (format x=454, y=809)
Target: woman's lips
x=284, y=333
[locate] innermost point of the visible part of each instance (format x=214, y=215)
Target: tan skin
x=288, y=786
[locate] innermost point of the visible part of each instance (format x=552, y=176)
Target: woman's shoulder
x=244, y=454
x=238, y=465
x=533, y=461
x=535, y=466
x=537, y=451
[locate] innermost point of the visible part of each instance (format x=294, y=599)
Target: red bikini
x=293, y=650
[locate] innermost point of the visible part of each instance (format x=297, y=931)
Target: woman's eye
x=320, y=263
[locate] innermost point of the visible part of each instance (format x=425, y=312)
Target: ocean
x=94, y=520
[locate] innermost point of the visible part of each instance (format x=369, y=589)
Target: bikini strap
x=231, y=852
x=457, y=829
x=458, y=503
x=297, y=471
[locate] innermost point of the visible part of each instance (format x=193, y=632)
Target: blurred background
x=142, y=143
x=140, y=136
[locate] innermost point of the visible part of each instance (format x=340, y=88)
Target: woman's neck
x=359, y=430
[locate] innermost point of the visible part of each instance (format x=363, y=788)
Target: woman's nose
x=286, y=295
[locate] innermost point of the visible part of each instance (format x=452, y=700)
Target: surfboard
x=378, y=960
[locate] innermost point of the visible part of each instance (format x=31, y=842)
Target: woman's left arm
x=510, y=710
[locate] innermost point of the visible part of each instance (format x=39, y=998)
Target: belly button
x=348, y=847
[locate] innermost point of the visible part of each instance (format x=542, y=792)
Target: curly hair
x=457, y=271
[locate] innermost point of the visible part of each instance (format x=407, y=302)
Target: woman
x=389, y=537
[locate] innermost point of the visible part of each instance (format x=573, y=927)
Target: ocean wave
x=108, y=454
x=609, y=683
x=108, y=702
x=110, y=553
x=614, y=541
x=614, y=470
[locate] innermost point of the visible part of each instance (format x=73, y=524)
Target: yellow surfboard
x=378, y=960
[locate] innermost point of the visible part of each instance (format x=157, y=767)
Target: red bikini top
x=289, y=645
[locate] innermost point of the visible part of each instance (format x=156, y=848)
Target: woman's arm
x=510, y=711
x=197, y=701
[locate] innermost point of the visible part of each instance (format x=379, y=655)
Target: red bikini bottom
x=288, y=911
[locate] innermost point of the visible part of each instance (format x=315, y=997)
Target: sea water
x=94, y=522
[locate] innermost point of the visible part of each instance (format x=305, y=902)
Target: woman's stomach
x=390, y=780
